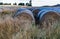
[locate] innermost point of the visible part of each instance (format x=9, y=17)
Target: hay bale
x=49, y=19
x=31, y=8
x=8, y=27
x=35, y=12
x=24, y=14
x=9, y=10
x=1, y=10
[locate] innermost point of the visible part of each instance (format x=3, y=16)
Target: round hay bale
x=35, y=12
x=31, y=8
x=1, y=10
x=25, y=16
x=9, y=10
x=49, y=19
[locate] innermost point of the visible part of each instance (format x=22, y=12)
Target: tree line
x=22, y=4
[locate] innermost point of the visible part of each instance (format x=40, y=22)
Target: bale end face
x=49, y=19
x=25, y=17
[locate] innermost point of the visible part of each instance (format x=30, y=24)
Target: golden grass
x=14, y=28
x=6, y=28
x=10, y=26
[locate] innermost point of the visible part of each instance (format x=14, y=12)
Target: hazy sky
x=1, y=0
x=34, y=2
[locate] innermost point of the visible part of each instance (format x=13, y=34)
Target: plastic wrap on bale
x=48, y=15
x=25, y=13
x=35, y=13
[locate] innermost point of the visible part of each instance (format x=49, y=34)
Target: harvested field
x=21, y=26
x=18, y=29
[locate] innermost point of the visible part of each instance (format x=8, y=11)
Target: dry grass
x=10, y=27
x=14, y=28
x=6, y=28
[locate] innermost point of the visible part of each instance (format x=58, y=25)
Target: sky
x=34, y=2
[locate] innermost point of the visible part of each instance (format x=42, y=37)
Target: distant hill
x=58, y=5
